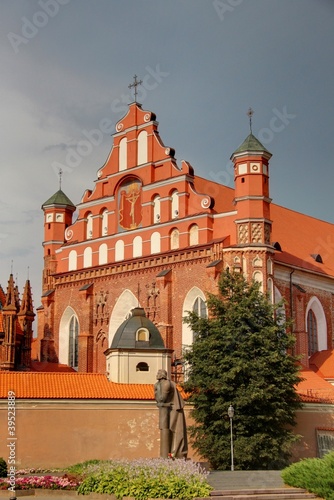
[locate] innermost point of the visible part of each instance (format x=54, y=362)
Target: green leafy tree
x=241, y=356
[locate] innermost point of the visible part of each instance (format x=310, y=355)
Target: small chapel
x=122, y=267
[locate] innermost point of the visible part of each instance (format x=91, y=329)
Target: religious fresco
x=130, y=211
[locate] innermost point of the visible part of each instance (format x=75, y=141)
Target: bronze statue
x=172, y=424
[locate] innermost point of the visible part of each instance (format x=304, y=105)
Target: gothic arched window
x=312, y=331
x=199, y=308
x=73, y=343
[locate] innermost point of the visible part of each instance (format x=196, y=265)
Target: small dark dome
x=137, y=332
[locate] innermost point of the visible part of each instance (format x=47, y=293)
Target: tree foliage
x=241, y=356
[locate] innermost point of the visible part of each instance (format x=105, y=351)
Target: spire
x=12, y=297
x=27, y=303
x=26, y=317
x=59, y=198
x=251, y=145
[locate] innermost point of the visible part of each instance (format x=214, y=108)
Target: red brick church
x=123, y=267
x=153, y=234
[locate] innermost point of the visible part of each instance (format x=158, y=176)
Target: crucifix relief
x=130, y=213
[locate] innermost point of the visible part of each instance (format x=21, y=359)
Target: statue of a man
x=172, y=424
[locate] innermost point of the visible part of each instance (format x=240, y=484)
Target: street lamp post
x=230, y=413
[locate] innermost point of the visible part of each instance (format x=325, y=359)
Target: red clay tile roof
x=322, y=363
x=48, y=385
x=32, y=385
x=300, y=236
x=314, y=389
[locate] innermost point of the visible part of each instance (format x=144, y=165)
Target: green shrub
x=144, y=479
x=3, y=468
x=82, y=467
x=314, y=474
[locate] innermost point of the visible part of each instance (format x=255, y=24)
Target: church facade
x=154, y=235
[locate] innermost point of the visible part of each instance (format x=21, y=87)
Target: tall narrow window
x=142, y=147
x=72, y=260
x=155, y=243
x=312, y=331
x=199, y=307
x=89, y=231
x=123, y=157
x=104, y=223
x=103, y=254
x=73, y=350
x=175, y=205
x=88, y=257
x=137, y=246
x=174, y=239
x=119, y=250
x=156, y=210
x=193, y=235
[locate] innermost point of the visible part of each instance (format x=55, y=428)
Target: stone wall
x=58, y=433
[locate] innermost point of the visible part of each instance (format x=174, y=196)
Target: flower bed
x=45, y=482
x=141, y=479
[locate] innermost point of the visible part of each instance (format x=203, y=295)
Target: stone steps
x=243, y=480
x=253, y=485
x=263, y=494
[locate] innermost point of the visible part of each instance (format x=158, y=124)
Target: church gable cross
x=135, y=85
x=250, y=114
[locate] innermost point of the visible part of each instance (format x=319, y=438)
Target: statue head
x=162, y=374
